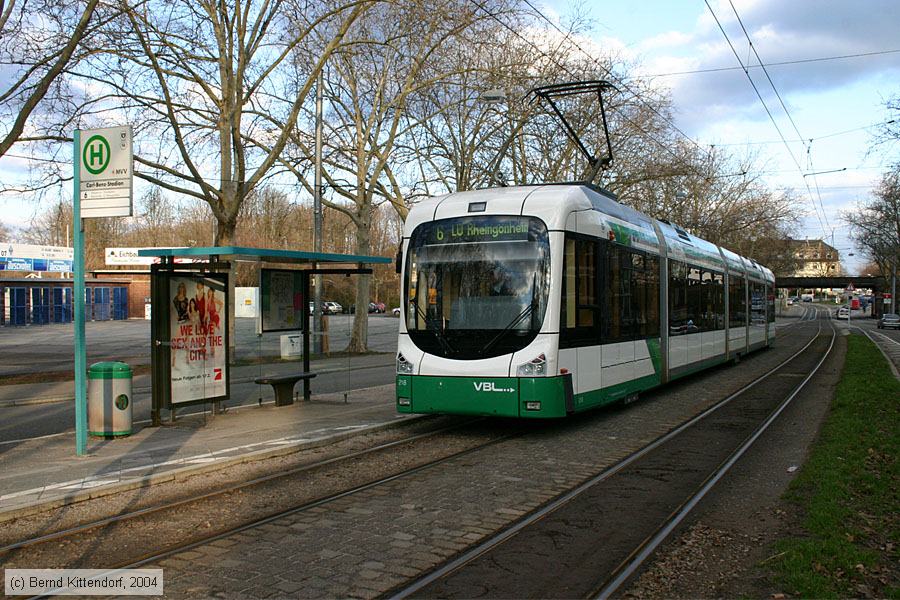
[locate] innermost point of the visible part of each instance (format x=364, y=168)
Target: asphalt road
x=38, y=348
x=50, y=348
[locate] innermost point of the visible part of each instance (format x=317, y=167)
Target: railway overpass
x=876, y=284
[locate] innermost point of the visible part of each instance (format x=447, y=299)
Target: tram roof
x=553, y=202
x=264, y=254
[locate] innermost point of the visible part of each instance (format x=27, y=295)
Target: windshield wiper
x=438, y=332
x=518, y=318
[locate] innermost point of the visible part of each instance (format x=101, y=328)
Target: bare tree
x=6, y=232
x=192, y=73
x=875, y=224
x=388, y=56
x=38, y=41
x=52, y=226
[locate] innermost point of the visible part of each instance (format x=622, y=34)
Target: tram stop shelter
x=190, y=308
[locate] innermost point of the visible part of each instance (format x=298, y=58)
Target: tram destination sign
x=479, y=229
x=105, y=158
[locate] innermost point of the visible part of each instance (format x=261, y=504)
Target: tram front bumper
x=527, y=397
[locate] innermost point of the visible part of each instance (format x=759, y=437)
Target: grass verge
x=848, y=493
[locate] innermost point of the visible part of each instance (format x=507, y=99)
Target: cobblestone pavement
x=368, y=543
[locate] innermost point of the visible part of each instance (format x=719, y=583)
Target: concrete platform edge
x=190, y=471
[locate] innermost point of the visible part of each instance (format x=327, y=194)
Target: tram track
x=588, y=542
x=93, y=534
x=66, y=547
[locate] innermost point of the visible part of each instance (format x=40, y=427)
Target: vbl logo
x=488, y=386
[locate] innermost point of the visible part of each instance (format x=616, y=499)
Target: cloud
x=781, y=31
x=669, y=39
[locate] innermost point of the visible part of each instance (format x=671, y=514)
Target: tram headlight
x=534, y=368
x=404, y=367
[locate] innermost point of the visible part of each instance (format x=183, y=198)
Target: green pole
x=80, y=350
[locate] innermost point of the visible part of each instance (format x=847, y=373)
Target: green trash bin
x=109, y=399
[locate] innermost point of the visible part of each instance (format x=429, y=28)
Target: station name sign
x=479, y=229
x=105, y=182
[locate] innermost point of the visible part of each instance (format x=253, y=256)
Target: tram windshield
x=477, y=287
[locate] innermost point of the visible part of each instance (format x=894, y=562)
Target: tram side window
x=647, y=284
x=757, y=304
x=619, y=315
x=695, y=294
x=579, y=317
x=631, y=307
x=737, y=307
x=681, y=317
x=712, y=301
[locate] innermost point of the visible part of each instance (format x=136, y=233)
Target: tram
x=546, y=300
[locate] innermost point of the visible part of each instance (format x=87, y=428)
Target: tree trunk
x=225, y=237
x=359, y=339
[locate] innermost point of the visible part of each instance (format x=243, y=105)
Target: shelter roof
x=265, y=254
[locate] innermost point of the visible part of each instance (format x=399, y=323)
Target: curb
x=142, y=390
x=182, y=473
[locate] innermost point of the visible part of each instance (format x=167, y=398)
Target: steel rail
x=120, y=518
x=541, y=512
x=181, y=547
x=633, y=563
x=156, y=556
x=809, y=314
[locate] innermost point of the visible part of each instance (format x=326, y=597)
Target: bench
x=284, y=386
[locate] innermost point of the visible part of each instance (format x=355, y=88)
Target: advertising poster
x=29, y=257
x=281, y=300
x=198, y=325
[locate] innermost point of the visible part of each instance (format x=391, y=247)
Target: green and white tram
x=541, y=301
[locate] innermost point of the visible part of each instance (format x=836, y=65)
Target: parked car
x=843, y=313
x=396, y=311
x=334, y=308
x=324, y=308
x=376, y=307
x=889, y=321
x=790, y=301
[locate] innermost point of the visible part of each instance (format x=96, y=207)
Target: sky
x=833, y=102
x=836, y=103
